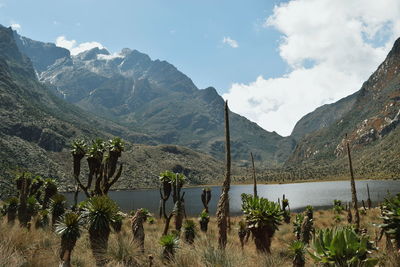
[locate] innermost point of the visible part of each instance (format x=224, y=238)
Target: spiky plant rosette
x=189, y=226
x=116, y=145
x=100, y=212
x=96, y=150
x=11, y=204
x=169, y=242
x=69, y=226
x=79, y=147
x=260, y=212
x=297, y=248
x=32, y=205
x=341, y=247
x=204, y=216
x=58, y=203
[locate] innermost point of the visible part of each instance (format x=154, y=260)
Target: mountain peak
x=92, y=53
x=396, y=48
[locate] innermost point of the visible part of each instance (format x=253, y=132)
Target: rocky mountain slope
x=151, y=97
x=370, y=117
x=37, y=127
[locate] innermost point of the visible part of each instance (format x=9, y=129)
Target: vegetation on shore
x=41, y=247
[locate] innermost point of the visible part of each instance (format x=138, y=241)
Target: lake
x=316, y=194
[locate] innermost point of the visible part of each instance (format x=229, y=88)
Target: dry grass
x=20, y=247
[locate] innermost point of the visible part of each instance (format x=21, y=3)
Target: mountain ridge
x=370, y=123
x=37, y=128
x=154, y=98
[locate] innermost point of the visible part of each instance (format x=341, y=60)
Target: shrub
x=341, y=247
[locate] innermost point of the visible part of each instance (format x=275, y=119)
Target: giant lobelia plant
x=100, y=213
x=102, y=158
x=69, y=228
x=263, y=218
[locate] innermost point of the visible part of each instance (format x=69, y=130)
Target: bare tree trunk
x=353, y=189
x=222, y=210
x=254, y=175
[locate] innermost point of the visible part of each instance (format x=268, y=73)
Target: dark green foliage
x=29, y=191
x=32, y=207
x=11, y=208
x=337, y=206
x=151, y=220
x=285, y=206
x=42, y=219
x=100, y=212
x=297, y=248
x=117, y=223
x=102, y=159
x=263, y=218
x=206, y=197
x=50, y=189
x=58, y=205
x=204, y=218
x=341, y=247
x=170, y=244
x=189, y=228
x=243, y=231
x=391, y=219
x=69, y=228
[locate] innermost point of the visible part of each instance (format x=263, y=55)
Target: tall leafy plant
x=263, y=218
x=69, y=228
x=100, y=213
x=102, y=158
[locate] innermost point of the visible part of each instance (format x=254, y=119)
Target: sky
x=274, y=61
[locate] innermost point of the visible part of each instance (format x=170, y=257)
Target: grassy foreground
x=38, y=247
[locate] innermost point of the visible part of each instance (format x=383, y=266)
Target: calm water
x=317, y=194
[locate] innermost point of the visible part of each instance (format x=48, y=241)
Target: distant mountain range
x=49, y=97
x=37, y=128
x=150, y=97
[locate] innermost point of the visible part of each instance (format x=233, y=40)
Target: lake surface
x=316, y=194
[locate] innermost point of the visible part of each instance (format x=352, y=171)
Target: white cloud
x=331, y=47
x=229, y=41
x=74, y=47
x=15, y=26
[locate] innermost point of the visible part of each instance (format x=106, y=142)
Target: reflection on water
x=317, y=194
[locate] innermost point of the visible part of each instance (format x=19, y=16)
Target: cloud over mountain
x=74, y=47
x=331, y=47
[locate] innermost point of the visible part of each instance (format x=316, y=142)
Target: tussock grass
x=37, y=247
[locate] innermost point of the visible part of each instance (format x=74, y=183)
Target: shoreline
x=258, y=183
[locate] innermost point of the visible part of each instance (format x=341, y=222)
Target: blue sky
x=188, y=34
x=274, y=61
